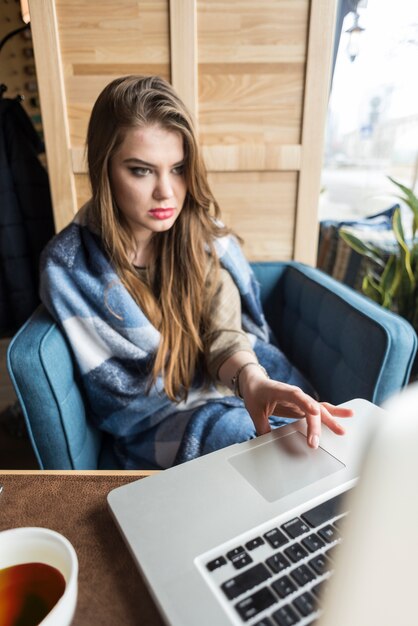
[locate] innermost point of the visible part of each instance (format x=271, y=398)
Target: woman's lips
x=162, y=214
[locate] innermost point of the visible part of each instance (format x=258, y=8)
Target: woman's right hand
x=264, y=397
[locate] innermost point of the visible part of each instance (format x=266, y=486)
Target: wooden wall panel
x=252, y=59
x=251, y=70
x=101, y=40
x=259, y=207
x=255, y=74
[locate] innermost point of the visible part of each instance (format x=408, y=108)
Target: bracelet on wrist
x=235, y=378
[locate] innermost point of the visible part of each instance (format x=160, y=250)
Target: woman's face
x=147, y=180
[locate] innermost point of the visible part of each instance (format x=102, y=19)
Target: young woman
x=157, y=300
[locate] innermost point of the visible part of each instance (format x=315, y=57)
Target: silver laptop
x=250, y=534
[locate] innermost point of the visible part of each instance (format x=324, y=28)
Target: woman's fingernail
x=314, y=441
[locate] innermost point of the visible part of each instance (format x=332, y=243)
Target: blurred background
x=372, y=121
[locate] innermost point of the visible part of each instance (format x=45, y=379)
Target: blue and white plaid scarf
x=114, y=344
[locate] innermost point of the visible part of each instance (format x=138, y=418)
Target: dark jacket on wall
x=26, y=218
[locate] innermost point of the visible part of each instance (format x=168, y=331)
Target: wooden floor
x=15, y=448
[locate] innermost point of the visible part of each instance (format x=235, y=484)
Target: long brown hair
x=178, y=299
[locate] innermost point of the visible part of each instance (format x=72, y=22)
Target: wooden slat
x=183, y=47
x=251, y=157
x=120, y=69
x=321, y=35
x=54, y=110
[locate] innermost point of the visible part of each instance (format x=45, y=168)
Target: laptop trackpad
x=284, y=465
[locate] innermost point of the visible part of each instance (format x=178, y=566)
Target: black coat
x=26, y=218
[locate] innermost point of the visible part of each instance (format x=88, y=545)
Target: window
x=372, y=125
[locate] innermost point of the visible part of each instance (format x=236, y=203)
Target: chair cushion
x=345, y=344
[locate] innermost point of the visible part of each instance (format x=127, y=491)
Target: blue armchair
x=345, y=344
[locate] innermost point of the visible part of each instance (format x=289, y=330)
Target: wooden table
x=111, y=592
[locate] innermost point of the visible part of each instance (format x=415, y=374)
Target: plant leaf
x=410, y=199
x=362, y=248
x=370, y=289
x=390, y=280
x=400, y=237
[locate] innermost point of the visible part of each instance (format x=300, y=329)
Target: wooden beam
x=317, y=82
x=54, y=111
x=183, y=51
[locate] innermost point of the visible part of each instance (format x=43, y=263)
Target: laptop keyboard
x=275, y=577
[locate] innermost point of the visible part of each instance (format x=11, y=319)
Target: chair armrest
x=344, y=343
x=41, y=369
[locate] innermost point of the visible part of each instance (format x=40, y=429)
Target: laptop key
x=329, y=533
x=285, y=616
x=241, y=560
x=305, y=603
x=254, y=543
x=235, y=552
x=276, y=538
x=212, y=565
x=323, y=512
x=296, y=552
x=320, y=564
x=241, y=583
x=284, y=586
x=239, y=557
x=264, y=622
x=302, y=575
x=259, y=601
x=313, y=542
x=295, y=527
x=277, y=563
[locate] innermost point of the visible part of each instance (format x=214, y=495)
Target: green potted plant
x=391, y=279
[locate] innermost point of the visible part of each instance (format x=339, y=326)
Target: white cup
x=42, y=545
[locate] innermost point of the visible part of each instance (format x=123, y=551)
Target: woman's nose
x=163, y=188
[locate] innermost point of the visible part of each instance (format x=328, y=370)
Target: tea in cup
x=38, y=578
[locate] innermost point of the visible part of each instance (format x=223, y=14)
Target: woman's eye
x=178, y=170
x=140, y=171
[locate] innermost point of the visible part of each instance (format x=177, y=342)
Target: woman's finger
x=330, y=422
x=312, y=412
x=313, y=421
x=296, y=403
x=337, y=411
